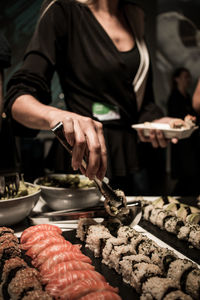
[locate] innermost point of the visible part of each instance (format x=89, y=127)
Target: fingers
x=97, y=159
x=156, y=138
x=86, y=137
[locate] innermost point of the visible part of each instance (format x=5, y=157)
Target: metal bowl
x=15, y=210
x=58, y=198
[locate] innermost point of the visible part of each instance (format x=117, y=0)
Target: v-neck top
x=69, y=40
x=131, y=59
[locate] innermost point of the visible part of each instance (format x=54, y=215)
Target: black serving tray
x=183, y=247
x=125, y=291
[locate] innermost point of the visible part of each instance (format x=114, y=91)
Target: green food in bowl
x=66, y=181
x=24, y=190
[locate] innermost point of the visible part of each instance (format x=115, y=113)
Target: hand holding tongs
x=115, y=201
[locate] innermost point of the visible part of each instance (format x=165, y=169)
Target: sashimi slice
x=102, y=295
x=41, y=245
x=63, y=256
x=62, y=268
x=54, y=287
x=29, y=231
x=83, y=287
x=39, y=236
x=52, y=250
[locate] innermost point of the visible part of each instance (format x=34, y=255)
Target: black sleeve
x=149, y=110
x=35, y=75
x=5, y=53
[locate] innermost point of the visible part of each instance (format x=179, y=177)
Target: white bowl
x=15, y=210
x=58, y=198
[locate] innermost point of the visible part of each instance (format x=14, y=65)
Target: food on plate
x=63, y=268
x=63, y=256
x=66, y=181
x=55, y=286
x=83, y=226
x=96, y=237
x=24, y=280
x=177, y=295
x=37, y=295
x=8, y=237
x=17, y=279
x=36, y=248
x=27, y=233
x=154, y=272
x=54, y=249
x=9, y=249
x=40, y=236
x=83, y=287
x=175, y=217
x=157, y=288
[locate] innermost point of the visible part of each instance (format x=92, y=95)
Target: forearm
x=196, y=98
x=31, y=113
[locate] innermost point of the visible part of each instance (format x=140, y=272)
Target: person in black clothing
x=99, y=52
x=9, y=158
x=185, y=162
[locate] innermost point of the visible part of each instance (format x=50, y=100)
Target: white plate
x=168, y=132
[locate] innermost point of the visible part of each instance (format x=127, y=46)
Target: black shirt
x=69, y=40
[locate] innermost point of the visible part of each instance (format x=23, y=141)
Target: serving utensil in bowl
x=14, y=210
x=62, y=198
x=9, y=184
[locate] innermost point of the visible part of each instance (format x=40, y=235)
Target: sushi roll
x=184, y=231
x=112, y=224
x=162, y=217
x=154, y=214
x=177, y=295
x=110, y=243
x=10, y=268
x=146, y=247
x=178, y=271
x=117, y=254
x=24, y=280
x=141, y=272
x=162, y=201
x=173, y=224
x=192, y=284
x=193, y=218
x=82, y=228
x=8, y=237
x=194, y=236
x=37, y=295
x=127, y=263
x=147, y=211
x=163, y=257
x=127, y=232
x=9, y=249
x=157, y=288
x=4, y=230
x=96, y=238
x=137, y=242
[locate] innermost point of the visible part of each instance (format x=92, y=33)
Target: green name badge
x=105, y=112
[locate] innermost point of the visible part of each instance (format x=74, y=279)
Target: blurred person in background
x=185, y=162
x=196, y=98
x=99, y=52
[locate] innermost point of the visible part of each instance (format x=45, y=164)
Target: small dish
x=169, y=133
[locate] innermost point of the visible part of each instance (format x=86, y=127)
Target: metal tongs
x=115, y=201
x=9, y=184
